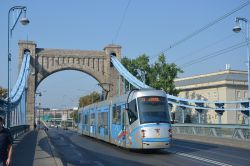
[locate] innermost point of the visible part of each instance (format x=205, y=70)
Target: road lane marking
x=98, y=163
x=203, y=159
x=213, y=152
x=200, y=158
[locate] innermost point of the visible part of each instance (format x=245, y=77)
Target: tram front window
x=153, y=109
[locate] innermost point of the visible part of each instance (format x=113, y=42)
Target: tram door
x=124, y=126
x=117, y=125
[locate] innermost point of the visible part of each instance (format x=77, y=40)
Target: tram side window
x=132, y=111
x=99, y=119
x=116, y=118
x=92, y=119
x=85, y=119
x=93, y=116
x=79, y=118
x=105, y=122
x=104, y=119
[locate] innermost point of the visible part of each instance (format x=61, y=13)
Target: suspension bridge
x=38, y=63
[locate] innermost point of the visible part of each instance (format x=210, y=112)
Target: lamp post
x=24, y=21
x=237, y=29
x=142, y=74
x=38, y=109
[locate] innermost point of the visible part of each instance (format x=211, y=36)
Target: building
x=54, y=115
x=227, y=85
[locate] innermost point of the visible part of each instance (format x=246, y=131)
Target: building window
x=245, y=95
x=238, y=94
x=215, y=94
x=238, y=117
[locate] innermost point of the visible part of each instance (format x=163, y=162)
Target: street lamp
x=142, y=74
x=38, y=109
x=237, y=28
x=24, y=21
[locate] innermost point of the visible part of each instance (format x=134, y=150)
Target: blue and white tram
x=137, y=120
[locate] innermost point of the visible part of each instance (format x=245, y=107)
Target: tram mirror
x=126, y=106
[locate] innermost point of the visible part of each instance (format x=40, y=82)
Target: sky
x=139, y=26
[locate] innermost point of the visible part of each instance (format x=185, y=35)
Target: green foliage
x=89, y=99
x=134, y=66
x=3, y=93
x=160, y=75
x=74, y=115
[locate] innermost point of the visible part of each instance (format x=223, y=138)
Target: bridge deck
x=34, y=147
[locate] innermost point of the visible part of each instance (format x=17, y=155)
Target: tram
x=139, y=119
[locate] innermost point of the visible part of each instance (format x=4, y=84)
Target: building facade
x=53, y=115
x=227, y=85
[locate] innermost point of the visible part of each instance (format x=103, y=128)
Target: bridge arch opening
x=63, y=88
x=112, y=54
x=26, y=51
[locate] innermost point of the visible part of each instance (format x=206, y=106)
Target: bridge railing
x=18, y=130
x=223, y=130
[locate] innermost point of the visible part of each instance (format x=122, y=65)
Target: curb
x=55, y=155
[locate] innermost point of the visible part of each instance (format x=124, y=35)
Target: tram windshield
x=153, y=109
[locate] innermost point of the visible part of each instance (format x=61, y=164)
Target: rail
x=223, y=130
x=18, y=130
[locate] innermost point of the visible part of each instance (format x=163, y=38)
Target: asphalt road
x=77, y=150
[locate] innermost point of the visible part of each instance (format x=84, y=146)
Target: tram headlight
x=143, y=133
x=170, y=132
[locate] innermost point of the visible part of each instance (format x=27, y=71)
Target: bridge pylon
x=45, y=62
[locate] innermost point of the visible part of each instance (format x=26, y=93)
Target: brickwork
x=45, y=62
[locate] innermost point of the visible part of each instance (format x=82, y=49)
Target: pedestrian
x=6, y=142
x=34, y=126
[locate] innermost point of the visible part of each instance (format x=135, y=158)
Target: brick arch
x=45, y=62
x=72, y=69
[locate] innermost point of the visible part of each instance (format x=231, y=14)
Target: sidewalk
x=34, y=148
x=245, y=144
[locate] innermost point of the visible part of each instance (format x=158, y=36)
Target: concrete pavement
x=34, y=148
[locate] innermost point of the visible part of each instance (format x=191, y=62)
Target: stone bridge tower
x=45, y=62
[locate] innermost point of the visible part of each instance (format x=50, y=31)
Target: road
x=77, y=150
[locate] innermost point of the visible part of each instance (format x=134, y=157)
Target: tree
x=160, y=75
x=3, y=93
x=74, y=115
x=89, y=99
x=137, y=66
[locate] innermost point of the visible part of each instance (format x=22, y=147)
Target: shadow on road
x=73, y=154
x=24, y=151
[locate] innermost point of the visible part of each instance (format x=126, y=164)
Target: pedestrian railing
x=223, y=130
x=18, y=130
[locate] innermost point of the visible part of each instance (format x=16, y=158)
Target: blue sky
x=149, y=27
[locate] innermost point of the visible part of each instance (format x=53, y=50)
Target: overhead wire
x=195, y=52
x=214, y=54
x=121, y=23
x=203, y=28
